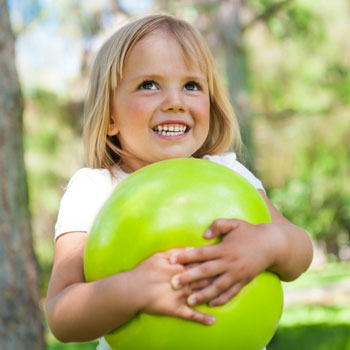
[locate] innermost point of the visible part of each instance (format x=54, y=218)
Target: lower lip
x=169, y=137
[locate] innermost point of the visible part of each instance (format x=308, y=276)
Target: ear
x=112, y=128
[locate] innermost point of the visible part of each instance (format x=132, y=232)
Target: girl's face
x=161, y=106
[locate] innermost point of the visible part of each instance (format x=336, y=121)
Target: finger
x=221, y=227
x=226, y=296
x=186, y=291
x=193, y=315
x=221, y=284
x=201, y=284
x=169, y=253
x=202, y=271
x=195, y=255
x=190, y=266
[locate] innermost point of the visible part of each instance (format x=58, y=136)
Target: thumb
x=221, y=227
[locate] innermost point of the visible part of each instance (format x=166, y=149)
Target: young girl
x=154, y=95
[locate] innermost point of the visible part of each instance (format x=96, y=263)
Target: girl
x=154, y=95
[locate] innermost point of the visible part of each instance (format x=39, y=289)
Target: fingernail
x=173, y=259
x=207, y=233
x=211, y=320
x=175, y=282
x=192, y=300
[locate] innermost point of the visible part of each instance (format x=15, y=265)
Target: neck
x=131, y=165
x=126, y=168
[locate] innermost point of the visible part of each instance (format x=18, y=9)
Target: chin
x=173, y=155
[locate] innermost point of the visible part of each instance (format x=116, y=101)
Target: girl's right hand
x=153, y=277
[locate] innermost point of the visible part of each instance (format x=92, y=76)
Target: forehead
x=162, y=49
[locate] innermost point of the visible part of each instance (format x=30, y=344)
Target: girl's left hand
x=244, y=251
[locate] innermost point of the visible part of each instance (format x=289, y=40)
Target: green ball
x=170, y=204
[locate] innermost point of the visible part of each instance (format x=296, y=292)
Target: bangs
x=196, y=54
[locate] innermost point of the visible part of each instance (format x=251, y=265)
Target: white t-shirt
x=88, y=189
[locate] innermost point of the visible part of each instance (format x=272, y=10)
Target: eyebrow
x=146, y=76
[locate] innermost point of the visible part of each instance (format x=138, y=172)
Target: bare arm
x=79, y=311
x=294, y=249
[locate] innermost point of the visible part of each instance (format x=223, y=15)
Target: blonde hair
x=104, y=151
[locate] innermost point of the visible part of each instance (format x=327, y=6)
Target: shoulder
x=87, y=189
x=230, y=160
x=94, y=177
x=100, y=180
x=86, y=192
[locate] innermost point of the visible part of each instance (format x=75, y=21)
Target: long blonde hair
x=104, y=151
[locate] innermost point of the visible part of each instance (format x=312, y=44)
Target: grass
x=313, y=327
x=302, y=327
x=322, y=336
x=54, y=345
x=331, y=273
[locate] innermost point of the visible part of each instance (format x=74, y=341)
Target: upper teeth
x=170, y=129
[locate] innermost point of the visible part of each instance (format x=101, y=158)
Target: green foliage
x=296, y=23
x=337, y=80
x=317, y=197
x=292, y=20
x=52, y=154
x=301, y=92
x=302, y=69
x=50, y=132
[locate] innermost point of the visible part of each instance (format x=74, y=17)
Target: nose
x=173, y=102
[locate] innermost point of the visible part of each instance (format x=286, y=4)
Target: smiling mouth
x=171, y=129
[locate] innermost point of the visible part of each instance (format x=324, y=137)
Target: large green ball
x=170, y=204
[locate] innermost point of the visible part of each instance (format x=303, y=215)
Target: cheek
x=205, y=118
x=136, y=115
x=136, y=109
x=140, y=109
x=202, y=109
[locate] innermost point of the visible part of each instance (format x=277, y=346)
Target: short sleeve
x=86, y=193
x=229, y=159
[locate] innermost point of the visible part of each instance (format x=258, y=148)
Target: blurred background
x=285, y=64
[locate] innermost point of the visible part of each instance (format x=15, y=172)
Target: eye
x=192, y=86
x=147, y=85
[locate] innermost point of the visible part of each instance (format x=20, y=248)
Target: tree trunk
x=21, y=320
